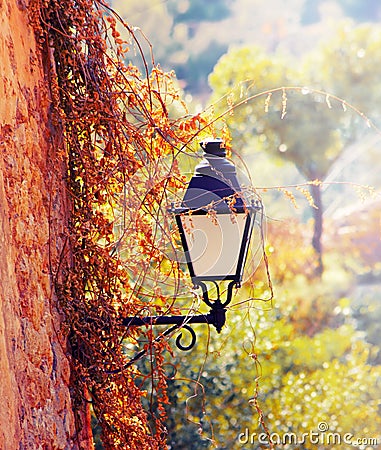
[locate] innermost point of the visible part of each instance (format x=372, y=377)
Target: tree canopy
x=300, y=111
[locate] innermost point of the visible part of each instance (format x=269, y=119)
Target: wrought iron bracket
x=216, y=317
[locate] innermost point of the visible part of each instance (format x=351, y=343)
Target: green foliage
x=347, y=66
x=285, y=365
x=265, y=364
x=309, y=128
x=294, y=124
x=366, y=309
x=308, y=114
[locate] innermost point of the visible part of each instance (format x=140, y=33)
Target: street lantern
x=215, y=223
x=214, y=220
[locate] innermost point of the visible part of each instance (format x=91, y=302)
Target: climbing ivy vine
x=121, y=134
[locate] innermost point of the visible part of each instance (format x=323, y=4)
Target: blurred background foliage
x=310, y=354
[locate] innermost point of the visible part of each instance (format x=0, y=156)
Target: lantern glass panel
x=216, y=244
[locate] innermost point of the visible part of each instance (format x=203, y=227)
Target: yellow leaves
x=230, y=100
x=288, y=194
x=319, y=378
x=185, y=126
x=231, y=202
x=191, y=124
x=316, y=182
x=286, y=190
x=284, y=103
x=307, y=195
x=212, y=214
x=267, y=102
x=189, y=128
x=322, y=347
x=344, y=303
x=227, y=139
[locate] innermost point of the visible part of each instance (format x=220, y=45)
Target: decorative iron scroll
x=215, y=317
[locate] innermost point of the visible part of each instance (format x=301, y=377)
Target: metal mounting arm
x=216, y=317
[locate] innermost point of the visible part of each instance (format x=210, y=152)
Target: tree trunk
x=318, y=227
x=36, y=407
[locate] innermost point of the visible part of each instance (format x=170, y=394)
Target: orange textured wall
x=35, y=403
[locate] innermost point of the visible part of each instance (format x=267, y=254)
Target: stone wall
x=35, y=404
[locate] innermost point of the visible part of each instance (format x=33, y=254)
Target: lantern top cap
x=213, y=146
